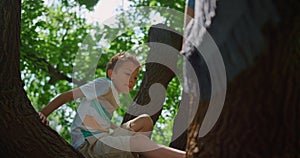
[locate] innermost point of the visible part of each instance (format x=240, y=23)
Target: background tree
x=53, y=34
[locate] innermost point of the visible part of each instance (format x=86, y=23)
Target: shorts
x=114, y=145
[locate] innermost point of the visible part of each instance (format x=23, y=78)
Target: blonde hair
x=121, y=58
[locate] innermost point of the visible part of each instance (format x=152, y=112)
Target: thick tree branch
x=163, y=42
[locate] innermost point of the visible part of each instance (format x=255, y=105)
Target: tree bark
x=260, y=117
x=22, y=133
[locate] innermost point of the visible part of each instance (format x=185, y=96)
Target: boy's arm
x=60, y=100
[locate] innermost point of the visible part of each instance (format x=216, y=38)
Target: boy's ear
x=109, y=73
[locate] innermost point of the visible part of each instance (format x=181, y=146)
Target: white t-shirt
x=101, y=100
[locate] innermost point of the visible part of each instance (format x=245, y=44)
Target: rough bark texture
x=260, y=117
x=22, y=133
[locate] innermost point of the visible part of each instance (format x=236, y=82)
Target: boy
x=93, y=134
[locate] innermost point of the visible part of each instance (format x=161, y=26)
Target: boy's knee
x=147, y=121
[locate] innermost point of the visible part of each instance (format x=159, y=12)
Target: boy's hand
x=43, y=118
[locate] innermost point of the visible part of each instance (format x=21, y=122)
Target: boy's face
x=125, y=76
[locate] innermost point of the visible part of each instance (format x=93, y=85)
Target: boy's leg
x=104, y=147
x=142, y=123
x=149, y=149
x=164, y=152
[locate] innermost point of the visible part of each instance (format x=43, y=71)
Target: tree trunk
x=164, y=46
x=260, y=117
x=22, y=133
